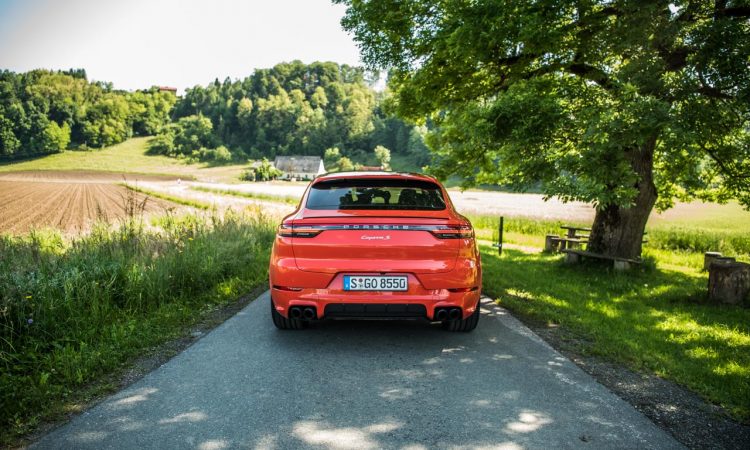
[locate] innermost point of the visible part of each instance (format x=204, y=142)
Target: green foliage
x=331, y=157
x=106, y=122
x=297, y=109
x=190, y=137
x=695, y=239
x=383, y=155
x=266, y=171
x=44, y=112
x=589, y=98
x=150, y=111
x=75, y=310
x=56, y=138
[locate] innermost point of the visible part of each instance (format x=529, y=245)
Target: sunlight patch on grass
x=654, y=320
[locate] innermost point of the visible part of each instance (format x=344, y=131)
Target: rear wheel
x=465, y=325
x=282, y=323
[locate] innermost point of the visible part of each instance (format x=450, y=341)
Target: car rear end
x=375, y=246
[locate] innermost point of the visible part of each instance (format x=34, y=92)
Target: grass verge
x=74, y=311
x=172, y=198
x=651, y=320
x=289, y=200
x=734, y=242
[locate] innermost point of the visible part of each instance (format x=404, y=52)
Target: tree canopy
x=301, y=109
x=622, y=103
x=45, y=111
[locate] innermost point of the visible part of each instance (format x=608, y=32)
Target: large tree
x=627, y=104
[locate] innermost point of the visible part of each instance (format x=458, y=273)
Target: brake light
x=298, y=231
x=462, y=231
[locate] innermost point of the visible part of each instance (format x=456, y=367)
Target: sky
x=140, y=43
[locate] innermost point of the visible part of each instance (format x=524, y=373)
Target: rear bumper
x=333, y=302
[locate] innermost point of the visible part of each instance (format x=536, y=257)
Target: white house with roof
x=299, y=167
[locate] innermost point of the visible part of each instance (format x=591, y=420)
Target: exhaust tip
x=441, y=314
x=308, y=313
x=455, y=313
x=295, y=313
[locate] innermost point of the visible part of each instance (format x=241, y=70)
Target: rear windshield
x=376, y=194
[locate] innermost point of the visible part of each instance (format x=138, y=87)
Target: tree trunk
x=618, y=231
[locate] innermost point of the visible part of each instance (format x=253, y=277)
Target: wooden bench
x=574, y=256
x=561, y=243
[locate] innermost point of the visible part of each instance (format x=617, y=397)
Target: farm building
x=170, y=89
x=299, y=167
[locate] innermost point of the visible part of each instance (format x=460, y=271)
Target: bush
x=248, y=175
x=222, y=153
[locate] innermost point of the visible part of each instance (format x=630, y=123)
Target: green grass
x=733, y=241
x=652, y=320
x=289, y=200
x=75, y=311
x=172, y=198
x=130, y=156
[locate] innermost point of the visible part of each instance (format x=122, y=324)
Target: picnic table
x=572, y=239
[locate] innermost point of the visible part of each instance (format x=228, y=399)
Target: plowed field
x=71, y=202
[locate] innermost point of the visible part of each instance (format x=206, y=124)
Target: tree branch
x=591, y=73
x=728, y=171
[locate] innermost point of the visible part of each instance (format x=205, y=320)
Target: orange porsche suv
x=375, y=245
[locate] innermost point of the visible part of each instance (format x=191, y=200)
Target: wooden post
x=729, y=282
x=551, y=243
x=708, y=258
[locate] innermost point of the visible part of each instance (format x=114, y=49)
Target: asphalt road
x=361, y=385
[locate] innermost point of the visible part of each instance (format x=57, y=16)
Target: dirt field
x=81, y=176
x=71, y=202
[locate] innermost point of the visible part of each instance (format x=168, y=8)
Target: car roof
x=375, y=175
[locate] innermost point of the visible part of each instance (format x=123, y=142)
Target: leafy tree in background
x=383, y=155
x=56, y=138
x=107, y=121
x=266, y=171
x=295, y=108
x=344, y=164
x=627, y=104
x=331, y=157
x=44, y=111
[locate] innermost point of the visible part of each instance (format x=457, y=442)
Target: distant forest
x=293, y=108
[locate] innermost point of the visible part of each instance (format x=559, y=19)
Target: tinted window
x=375, y=194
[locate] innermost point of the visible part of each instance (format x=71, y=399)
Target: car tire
x=464, y=325
x=282, y=323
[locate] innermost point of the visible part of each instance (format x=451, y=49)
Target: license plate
x=375, y=283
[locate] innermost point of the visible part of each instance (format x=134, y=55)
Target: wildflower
x=28, y=297
x=30, y=321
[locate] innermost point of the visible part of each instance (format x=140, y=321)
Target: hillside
x=127, y=157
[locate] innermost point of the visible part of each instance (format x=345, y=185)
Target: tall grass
x=72, y=310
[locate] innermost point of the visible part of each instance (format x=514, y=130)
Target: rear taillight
x=298, y=231
x=462, y=231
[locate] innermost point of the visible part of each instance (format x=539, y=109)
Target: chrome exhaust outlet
x=454, y=314
x=441, y=314
x=295, y=313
